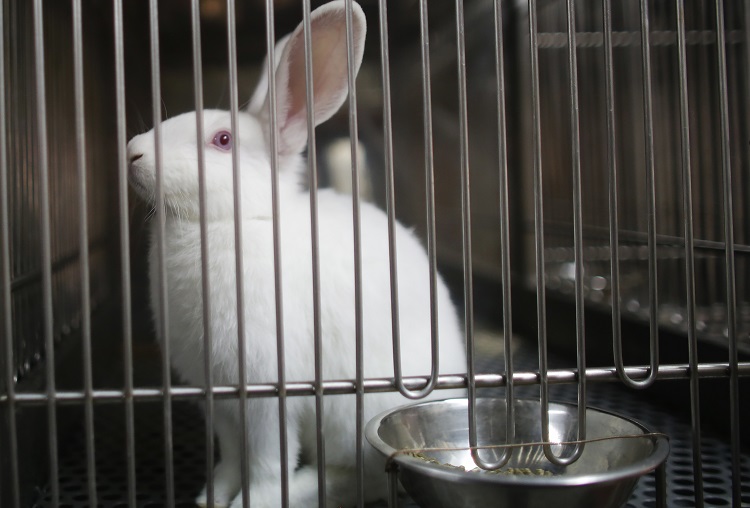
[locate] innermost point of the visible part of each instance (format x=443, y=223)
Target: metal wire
x=5, y=285
x=468, y=289
x=283, y=447
x=651, y=191
x=84, y=251
x=127, y=313
x=614, y=220
x=424, y=38
x=662, y=240
x=661, y=485
x=688, y=212
x=205, y=260
x=578, y=242
x=510, y=423
x=730, y=271
x=746, y=75
x=692, y=344
x=393, y=487
x=238, y=237
x=466, y=239
x=163, y=311
x=651, y=204
x=381, y=385
x=312, y=172
x=357, y=234
x=49, y=344
x=391, y=206
x=541, y=304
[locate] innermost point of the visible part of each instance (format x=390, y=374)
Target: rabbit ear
x=261, y=89
x=330, y=76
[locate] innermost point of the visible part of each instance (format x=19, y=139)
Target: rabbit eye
x=223, y=140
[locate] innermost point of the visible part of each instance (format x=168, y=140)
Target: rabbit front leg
x=226, y=477
x=303, y=490
x=264, y=459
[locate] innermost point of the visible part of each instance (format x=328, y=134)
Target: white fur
x=337, y=291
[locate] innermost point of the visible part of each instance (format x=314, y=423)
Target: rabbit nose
x=135, y=157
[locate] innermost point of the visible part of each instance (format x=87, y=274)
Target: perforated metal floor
x=189, y=446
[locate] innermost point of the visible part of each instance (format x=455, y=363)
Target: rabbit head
x=178, y=135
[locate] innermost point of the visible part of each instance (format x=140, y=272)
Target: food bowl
x=604, y=476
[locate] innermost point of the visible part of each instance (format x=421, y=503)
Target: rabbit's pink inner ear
x=330, y=78
x=329, y=72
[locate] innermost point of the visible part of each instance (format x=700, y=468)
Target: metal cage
x=579, y=170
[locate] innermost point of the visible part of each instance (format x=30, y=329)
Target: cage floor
x=189, y=439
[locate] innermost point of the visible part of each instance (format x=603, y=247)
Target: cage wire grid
x=57, y=266
x=190, y=468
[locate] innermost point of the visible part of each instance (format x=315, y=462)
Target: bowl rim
x=637, y=469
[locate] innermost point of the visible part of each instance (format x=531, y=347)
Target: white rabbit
x=184, y=294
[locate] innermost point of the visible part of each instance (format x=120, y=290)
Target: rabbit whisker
x=150, y=214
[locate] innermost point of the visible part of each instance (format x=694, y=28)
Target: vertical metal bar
x=424, y=35
x=704, y=154
x=661, y=485
x=161, y=251
x=577, y=243
x=424, y=38
x=541, y=303
x=14, y=103
x=283, y=448
x=5, y=284
x=466, y=232
x=49, y=343
x=504, y=208
x=390, y=205
x=27, y=151
x=83, y=248
x=687, y=203
x=312, y=175
x=205, y=282
x=127, y=313
x=393, y=487
x=613, y=208
x=731, y=290
x=391, y=209
x=238, y=233
x=651, y=189
x=746, y=97
x=614, y=219
x=359, y=333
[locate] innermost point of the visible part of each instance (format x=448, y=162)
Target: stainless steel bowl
x=604, y=476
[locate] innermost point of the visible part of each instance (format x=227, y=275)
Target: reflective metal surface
x=605, y=475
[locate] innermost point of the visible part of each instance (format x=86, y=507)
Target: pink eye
x=223, y=140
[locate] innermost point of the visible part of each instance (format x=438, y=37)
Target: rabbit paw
x=227, y=483
x=202, y=501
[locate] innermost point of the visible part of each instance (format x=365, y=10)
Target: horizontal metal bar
x=343, y=387
x=563, y=228
x=633, y=38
